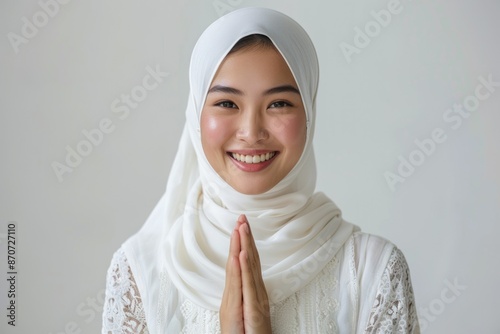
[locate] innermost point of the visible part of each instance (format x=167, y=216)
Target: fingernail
x=245, y=227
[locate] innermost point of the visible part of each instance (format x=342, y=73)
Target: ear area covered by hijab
x=186, y=237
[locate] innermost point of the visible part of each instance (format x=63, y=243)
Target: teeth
x=253, y=159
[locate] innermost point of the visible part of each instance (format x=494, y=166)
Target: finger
x=248, y=243
x=231, y=311
x=242, y=219
x=255, y=301
x=254, y=266
x=233, y=275
x=251, y=276
x=253, y=285
x=234, y=251
x=234, y=291
x=235, y=244
x=248, y=281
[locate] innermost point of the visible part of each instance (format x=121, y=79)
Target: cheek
x=215, y=132
x=291, y=132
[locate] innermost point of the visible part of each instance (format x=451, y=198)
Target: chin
x=252, y=188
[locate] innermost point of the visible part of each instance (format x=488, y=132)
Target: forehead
x=250, y=66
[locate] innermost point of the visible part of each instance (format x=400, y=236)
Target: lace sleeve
x=394, y=308
x=123, y=312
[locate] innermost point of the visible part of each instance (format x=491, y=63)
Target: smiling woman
x=241, y=242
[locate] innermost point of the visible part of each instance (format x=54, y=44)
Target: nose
x=252, y=127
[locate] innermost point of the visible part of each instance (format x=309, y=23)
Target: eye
x=280, y=104
x=226, y=104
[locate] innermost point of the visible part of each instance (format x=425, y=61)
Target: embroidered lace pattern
x=165, y=286
x=198, y=319
x=283, y=316
x=315, y=305
x=394, y=308
x=327, y=306
x=123, y=311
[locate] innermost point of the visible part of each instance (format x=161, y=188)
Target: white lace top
x=315, y=309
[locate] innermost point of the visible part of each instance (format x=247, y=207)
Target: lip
x=253, y=167
x=251, y=152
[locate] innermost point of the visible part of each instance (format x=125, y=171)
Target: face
x=253, y=123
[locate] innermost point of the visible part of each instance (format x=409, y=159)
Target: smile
x=253, y=159
x=252, y=162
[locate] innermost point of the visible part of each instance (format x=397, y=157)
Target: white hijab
x=186, y=237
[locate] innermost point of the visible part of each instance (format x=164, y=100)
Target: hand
x=245, y=305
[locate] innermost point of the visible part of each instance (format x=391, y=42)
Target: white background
x=394, y=91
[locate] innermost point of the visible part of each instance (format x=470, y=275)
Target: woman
x=240, y=242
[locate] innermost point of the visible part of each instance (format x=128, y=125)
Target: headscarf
x=186, y=238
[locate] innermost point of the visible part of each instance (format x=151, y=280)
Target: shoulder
x=365, y=241
x=365, y=259
x=370, y=253
x=370, y=258
x=376, y=251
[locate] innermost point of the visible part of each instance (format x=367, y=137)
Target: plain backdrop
x=68, y=74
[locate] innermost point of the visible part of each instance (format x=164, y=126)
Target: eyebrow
x=274, y=90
